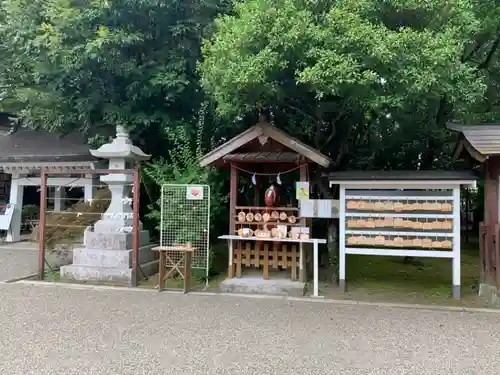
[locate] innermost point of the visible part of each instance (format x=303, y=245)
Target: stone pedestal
x=108, y=257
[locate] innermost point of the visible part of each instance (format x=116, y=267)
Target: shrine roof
x=479, y=141
x=26, y=145
x=262, y=132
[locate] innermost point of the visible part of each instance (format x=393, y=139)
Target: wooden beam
x=230, y=146
x=265, y=129
x=56, y=181
x=263, y=157
x=296, y=145
x=464, y=145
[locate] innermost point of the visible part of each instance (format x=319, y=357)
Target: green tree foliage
x=181, y=166
x=370, y=83
x=357, y=79
x=90, y=64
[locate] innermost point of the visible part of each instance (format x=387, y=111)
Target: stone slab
x=257, y=285
x=110, y=274
x=111, y=258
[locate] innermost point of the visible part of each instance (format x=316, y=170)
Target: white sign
x=6, y=217
x=194, y=193
x=319, y=208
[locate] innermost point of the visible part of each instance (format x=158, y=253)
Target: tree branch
x=340, y=113
x=485, y=64
x=301, y=111
x=319, y=124
x=467, y=56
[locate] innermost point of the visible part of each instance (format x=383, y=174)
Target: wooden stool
x=166, y=261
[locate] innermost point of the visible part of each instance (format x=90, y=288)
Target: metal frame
x=85, y=172
x=162, y=216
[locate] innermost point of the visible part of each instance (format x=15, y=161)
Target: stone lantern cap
x=120, y=147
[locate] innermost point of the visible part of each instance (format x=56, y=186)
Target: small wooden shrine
x=265, y=164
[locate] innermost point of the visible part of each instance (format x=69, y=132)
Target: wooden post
x=163, y=265
x=188, y=257
x=233, y=193
x=467, y=209
x=136, y=188
x=256, y=198
x=497, y=255
x=491, y=212
x=239, y=252
x=41, y=234
x=266, y=261
x=293, y=255
x=482, y=252
x=303, y=222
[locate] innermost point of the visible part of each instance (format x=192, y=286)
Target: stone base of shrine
x=490, y=293
x=109, y=265
x=257, y=285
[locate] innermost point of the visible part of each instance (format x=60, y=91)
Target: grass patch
x=177, y=283
x=369, y=278
x=53, y=275
x=423, y=280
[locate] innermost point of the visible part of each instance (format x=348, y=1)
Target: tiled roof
x=30, y=145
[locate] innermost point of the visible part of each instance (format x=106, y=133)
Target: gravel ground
x=57, y=330
x=18, y=260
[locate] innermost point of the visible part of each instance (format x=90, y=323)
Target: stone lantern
x=107, y=251
x=122, y=154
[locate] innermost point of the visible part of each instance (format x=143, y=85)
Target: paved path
x=56, y=330
x=18, y=260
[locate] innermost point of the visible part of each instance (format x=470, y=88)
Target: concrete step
x=257, y=285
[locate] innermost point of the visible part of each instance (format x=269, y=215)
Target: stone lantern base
x=108, y=257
